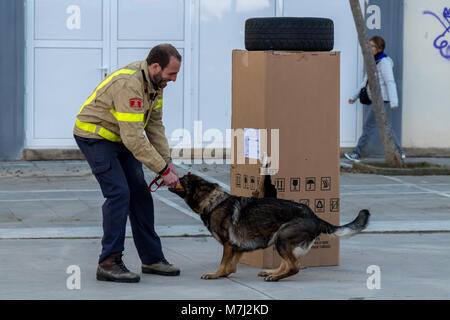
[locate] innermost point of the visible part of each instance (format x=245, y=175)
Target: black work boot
x=113, y=269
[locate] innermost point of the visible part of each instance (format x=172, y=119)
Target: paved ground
x=50, y=218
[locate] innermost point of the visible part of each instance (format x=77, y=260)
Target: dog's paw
x=264, y=274
x=208, y=276
x=271, y=278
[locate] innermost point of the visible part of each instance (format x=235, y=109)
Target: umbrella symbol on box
x=310, y=184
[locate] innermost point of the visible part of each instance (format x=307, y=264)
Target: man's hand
x=394, y=107
x=351, y=101
x=170, y=179
x=173, y=168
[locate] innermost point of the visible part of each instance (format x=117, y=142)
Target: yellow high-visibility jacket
x=121, y=108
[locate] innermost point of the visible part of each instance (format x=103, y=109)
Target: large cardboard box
x=296, y=93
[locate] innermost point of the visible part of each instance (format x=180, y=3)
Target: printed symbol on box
x=320, y=205
x=295, y=184
x=238, y=180
x=279, y=183
x=245, y=182
x=310, y=184
x=325, y=183
x=252, y=183
x=334, y=205
x=305, y=202
x=258, y=180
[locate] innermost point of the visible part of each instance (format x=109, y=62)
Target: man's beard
x=159, y=81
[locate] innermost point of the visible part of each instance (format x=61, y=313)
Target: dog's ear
x=201, y=193
x=203, y=190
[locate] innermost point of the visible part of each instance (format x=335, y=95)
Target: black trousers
x=121, y=179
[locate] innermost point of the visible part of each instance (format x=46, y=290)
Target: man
x=109, y=130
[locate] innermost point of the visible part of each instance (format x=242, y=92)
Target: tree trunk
x=393, y=156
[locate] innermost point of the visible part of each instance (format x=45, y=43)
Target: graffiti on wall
x=441, y=42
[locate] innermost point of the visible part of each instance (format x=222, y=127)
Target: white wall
x=426, y=76
x=108, y=34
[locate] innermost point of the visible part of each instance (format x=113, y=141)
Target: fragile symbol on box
x=245, y=182
x=310, y=184
x=279, y=184
x=295, y=184
x=334, y=205
x=325, y=183
x=320, y=205
x=238, y=180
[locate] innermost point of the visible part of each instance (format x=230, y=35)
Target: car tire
x=297, y=34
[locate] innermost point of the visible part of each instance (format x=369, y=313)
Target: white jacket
x=387, y=82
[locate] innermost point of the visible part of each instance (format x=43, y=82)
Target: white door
x=73, y=44
x=136, y=27
x=67, y=45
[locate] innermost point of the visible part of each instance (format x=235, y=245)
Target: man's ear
x=154, y=68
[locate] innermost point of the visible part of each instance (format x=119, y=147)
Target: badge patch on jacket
x=136, y=103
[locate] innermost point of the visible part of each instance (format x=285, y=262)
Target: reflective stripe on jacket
x=121, y=108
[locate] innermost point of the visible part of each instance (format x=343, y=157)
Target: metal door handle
x=105, y=70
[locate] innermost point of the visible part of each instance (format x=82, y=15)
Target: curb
x=18, y=169
x=394, y=227
x=181, y=231
x=95, y=232
x=373, y=168
x=44, y=169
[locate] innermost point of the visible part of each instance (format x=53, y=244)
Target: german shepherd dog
x=243, y=224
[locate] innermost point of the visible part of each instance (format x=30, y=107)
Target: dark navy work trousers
x=121, y=179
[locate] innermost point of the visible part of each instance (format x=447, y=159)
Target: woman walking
x=388, y=92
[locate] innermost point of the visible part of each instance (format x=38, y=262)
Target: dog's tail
x=349, y=229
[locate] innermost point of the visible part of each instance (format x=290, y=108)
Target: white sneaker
x=352, y=156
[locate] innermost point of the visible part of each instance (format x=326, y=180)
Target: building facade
x=59, y=50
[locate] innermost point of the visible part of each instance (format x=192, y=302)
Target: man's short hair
x=161, y=55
